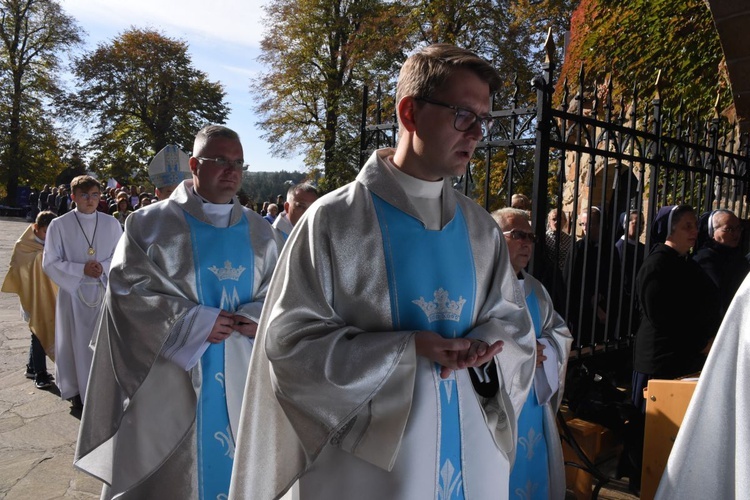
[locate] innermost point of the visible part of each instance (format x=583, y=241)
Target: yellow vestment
x=35, y=290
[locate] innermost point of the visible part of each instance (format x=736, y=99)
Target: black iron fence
x=612, y=160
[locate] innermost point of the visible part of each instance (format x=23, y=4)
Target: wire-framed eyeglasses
x=89, y=196
x=464, y=118
x=224, y=163
x=517, y=234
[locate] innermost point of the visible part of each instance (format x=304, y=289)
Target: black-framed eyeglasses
x=224, y=163
x=464, y=118
x=517, y=234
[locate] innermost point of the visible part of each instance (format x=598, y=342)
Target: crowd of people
x=116, y=201
x=382, y=341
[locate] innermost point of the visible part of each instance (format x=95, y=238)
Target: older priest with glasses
x=186, y=290
x=539, y=470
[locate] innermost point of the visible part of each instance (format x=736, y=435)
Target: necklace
x=91, y=250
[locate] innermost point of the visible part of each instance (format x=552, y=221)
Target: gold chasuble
x=35, y=290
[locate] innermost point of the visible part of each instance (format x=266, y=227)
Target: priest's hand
x=454, y=354
x=540, y=357
x=477, y=354
x=245, y=326
x=93, y=269
x=223, y=327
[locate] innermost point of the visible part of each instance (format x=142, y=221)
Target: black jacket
x=725, y=266
x=679, y=314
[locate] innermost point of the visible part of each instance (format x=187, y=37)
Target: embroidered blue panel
x=529, y=478
x=432, y=285
x=224, y=265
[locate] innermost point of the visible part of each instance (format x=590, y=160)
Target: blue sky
x=224, y=39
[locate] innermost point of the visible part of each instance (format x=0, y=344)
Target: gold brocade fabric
x=36, y=291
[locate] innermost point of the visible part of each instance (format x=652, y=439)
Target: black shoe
x=43, y=380
x=30, y=373
x=76, y=403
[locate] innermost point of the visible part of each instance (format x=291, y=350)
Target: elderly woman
x=538, y=471
x=679, y=304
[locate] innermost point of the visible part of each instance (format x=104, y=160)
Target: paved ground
x=38, y=430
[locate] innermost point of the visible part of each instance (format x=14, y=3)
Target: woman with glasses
x=721, y=258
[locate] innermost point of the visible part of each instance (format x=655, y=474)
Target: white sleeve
x=66, y=274
x=546, y=377
x=187, y=339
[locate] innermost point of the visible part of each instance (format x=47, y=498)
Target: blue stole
x=224, y=267
x=529, y=478
x=432, y=286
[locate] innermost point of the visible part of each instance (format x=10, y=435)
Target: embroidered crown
x=442, y=308
x=227, y=272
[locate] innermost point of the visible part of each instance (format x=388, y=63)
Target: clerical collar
x=415, y=187
x=219, y=214
x=206, y=201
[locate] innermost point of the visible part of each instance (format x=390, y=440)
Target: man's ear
x=407, y=113
x=193, y=162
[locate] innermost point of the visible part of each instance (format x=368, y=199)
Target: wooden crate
x=666, y=404
x=597, y=442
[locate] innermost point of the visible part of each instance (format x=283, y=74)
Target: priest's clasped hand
x=454, y=354
x=245, y=326
x=227, y=322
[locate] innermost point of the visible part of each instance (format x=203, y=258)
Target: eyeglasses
x=464, y=118
x=517, y=234
x=731, y=229
x=224, y=163
x=89, y=196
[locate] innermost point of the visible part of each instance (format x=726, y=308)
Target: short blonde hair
x=426, y=71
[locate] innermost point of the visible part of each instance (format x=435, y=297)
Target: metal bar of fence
x=634, y=161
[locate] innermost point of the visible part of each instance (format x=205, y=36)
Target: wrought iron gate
x=594, y=151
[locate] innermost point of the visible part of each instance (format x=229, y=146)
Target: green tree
x=319, y=54
x=510, y=34
x=634, y=39
x=142, y=92
x=322, y=52
x=32, y=33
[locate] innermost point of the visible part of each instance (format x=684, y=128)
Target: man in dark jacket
x=593, y=278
